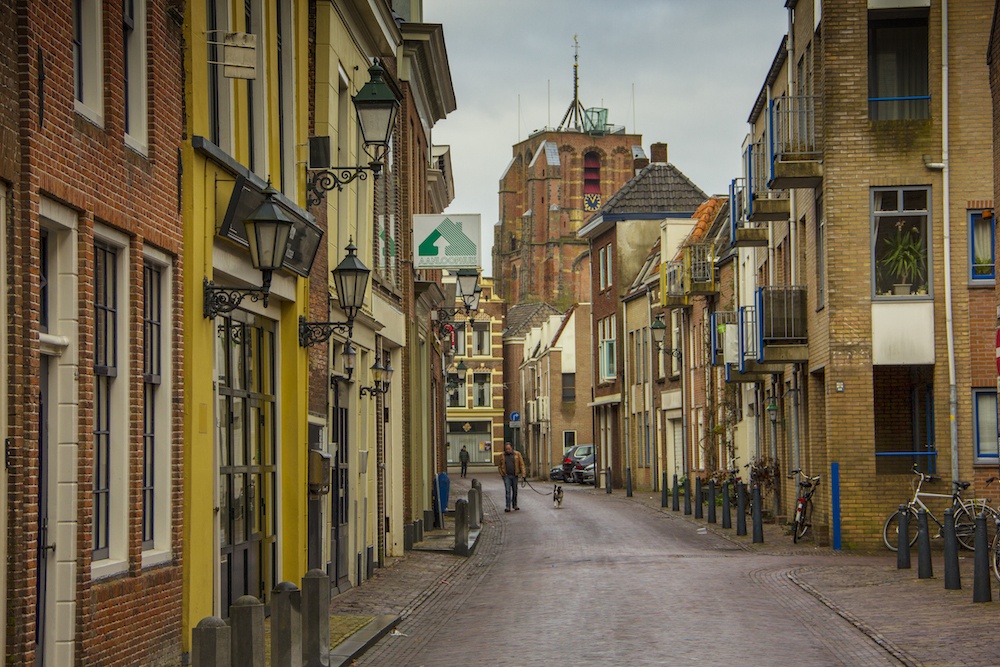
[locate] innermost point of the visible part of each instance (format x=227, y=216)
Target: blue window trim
x=979, y=457
x=975, y=215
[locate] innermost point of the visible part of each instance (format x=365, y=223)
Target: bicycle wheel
x=995, y=556
x=965, y=526
x=803, y=519
x=890, y=532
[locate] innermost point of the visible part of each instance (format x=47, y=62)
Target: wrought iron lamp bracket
x=311, y=333
x=321, y=181
x=222, y=299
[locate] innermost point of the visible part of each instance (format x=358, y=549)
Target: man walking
x=463, y=458
x=510, y=467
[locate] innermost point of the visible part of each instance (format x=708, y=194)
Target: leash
x=524, y=481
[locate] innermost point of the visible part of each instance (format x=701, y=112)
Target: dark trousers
x=465, y=467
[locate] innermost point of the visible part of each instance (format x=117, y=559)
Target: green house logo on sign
x=446, y=241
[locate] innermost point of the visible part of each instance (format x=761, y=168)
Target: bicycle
x=964, y=513
x=804, y=504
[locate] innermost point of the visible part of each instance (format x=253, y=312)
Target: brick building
x=620, y=235
x=869, y=365
x=556, y=179
x=90, y=202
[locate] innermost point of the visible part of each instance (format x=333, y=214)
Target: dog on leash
x=557, y=496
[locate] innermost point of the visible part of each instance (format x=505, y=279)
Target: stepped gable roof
x=657, y=188
x=522, y=317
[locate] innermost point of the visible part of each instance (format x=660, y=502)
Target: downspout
x=658, y=459
x=684, y=399
x=626, y=415
x=946, y=203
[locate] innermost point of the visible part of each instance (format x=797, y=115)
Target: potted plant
x=905, y=258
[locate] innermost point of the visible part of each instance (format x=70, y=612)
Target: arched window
x=591, y=181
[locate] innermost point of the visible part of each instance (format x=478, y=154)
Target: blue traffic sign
x=515, y=416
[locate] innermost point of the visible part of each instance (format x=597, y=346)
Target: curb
x=355, y=646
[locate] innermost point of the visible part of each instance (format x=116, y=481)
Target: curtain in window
x=982, y=246
x=899, y=69
x=986, y=424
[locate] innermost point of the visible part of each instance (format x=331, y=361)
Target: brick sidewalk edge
x=355, y=646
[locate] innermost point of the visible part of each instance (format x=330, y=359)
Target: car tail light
x=568, y=460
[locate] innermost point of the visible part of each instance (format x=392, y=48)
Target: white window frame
x=602, y=282
x=88, y=64
x=607, y=347
x=118, y=456
x=608, y=270
x=984, y=425
x=136, y=66
x=477, y=387
x=162, y=491
x=224, y=103
x=482, y=339
x=258, y=102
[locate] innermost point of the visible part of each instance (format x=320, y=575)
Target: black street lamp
x=351, y=278
x=268, y=229
x=382, y=375
x=376, y=106
x=467, y=287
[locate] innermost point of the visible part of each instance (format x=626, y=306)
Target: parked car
x=556, y=474
x=587, y=475
x=573, y=460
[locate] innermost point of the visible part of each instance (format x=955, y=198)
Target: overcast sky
x=684, y=72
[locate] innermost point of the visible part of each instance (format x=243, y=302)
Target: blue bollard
x=758, y=519
x=741, y=508
x=952, y=574
x=925, y=570
x=981, y=570
x=727, y=519
x=903, y=538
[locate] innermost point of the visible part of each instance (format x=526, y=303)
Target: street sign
x=514, y=424
x=516, y=416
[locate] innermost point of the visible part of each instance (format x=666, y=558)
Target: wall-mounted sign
x=446, y=241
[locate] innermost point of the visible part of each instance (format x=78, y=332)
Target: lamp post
x=351, y=278
x=382, y=376
x=376, y=106
x=468, y=288
x=268, y=229
x=772, y=416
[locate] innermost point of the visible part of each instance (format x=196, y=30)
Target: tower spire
x=574, y=114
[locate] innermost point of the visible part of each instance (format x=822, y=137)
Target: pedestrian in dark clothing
x=463, y=458
x=510, y=465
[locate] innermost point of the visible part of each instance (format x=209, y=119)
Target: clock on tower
x=591, y=201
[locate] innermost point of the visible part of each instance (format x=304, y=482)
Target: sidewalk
x=913, y=621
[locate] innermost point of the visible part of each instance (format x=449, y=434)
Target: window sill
x=982, y=283
x=154, y=557
x=86, y=112
x=102, y=569
x=137, y=145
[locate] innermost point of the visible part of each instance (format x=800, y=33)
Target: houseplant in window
x=904, y=258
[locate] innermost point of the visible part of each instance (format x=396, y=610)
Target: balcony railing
x=699, y=268
x=764, y=203
x=742, y=231
x=674, y=286
x=781, y=313
x=723, y=323
x=795, y=151
x=748, y=335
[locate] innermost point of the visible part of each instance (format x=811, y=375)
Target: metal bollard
x=952, y=574
x=607, y=484
x=903, y=539
x=758, y=519
x=675, y=492
x=711, y=501
x=741, y=508
x=211, y=643
x=687, y=497
x=475, y=501
x=925, y=569
x=316, y=618
x=727, y=519
x=462, y=527
x=663, y=490
x=981, y=571
x=286, y=625
x=246, y=618
x=628, y=482
x=699, y=509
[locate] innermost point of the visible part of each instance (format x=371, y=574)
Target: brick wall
x=89, y=169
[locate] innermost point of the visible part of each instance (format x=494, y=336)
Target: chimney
x=640, y=163
x=658, y=153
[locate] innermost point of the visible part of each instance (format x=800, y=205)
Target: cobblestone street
x=549, y=585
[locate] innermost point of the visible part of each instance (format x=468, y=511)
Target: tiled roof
x=522, y=317
x=657, y=188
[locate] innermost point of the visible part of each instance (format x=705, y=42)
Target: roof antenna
x=575, y=111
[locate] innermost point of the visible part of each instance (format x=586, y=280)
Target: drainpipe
x=946, y=203
x=626, y=415
x=658, y=458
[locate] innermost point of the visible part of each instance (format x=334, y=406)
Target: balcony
x=795, y=153
x=674, y=290
x=763, y=204
x=743, y=232
x=781, y=324
x=699, y=268
x=725, y=341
